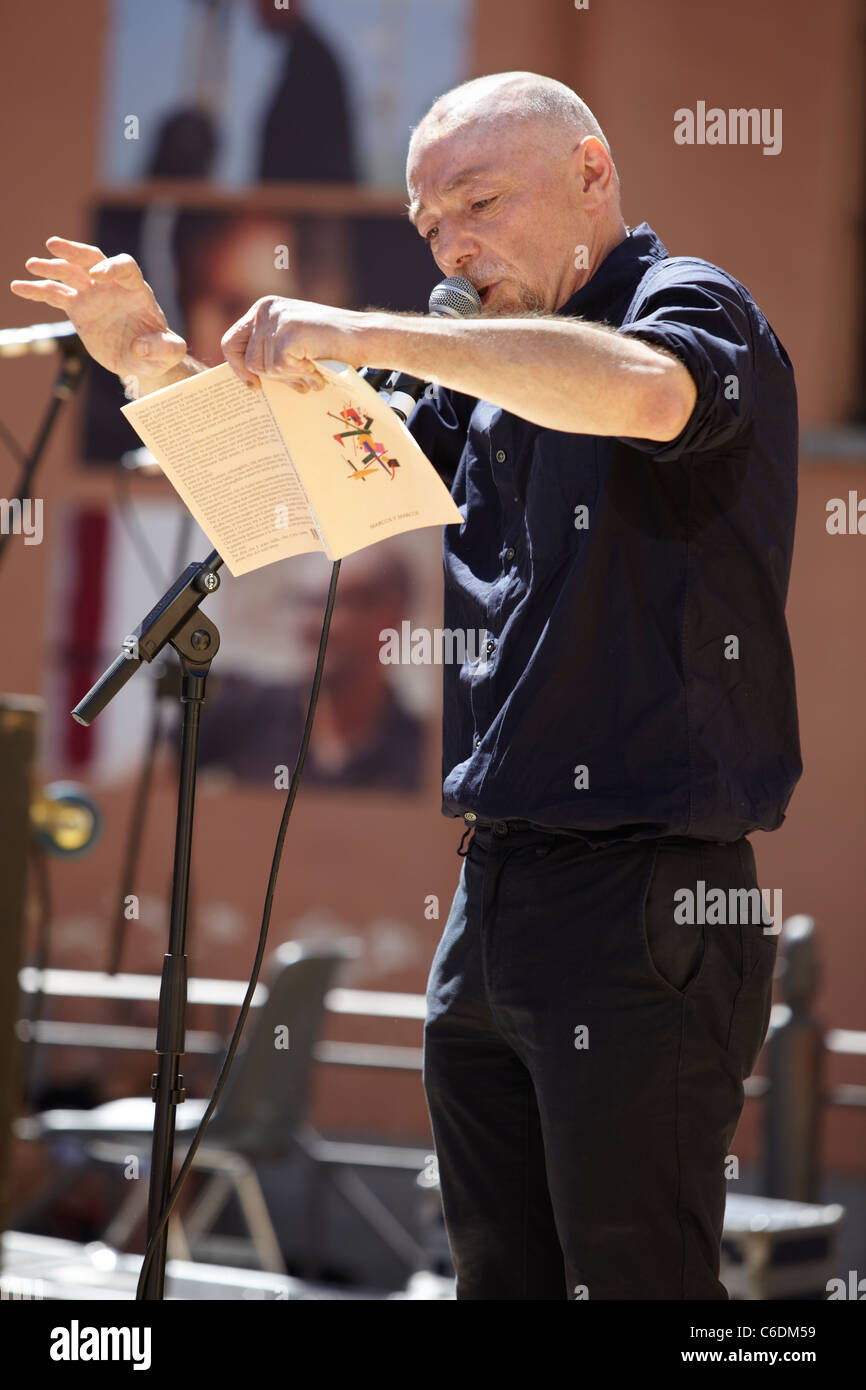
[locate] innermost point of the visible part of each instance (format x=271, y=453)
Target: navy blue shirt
x=637, y=679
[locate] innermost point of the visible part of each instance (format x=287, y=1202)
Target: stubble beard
x=529, y=301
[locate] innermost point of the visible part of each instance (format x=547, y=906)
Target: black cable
x=263, y=936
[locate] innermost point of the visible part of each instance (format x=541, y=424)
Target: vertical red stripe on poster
x=84, y=625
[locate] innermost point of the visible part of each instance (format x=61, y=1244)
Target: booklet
x=275, y=472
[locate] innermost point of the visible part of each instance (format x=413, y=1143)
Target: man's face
x=499, y=207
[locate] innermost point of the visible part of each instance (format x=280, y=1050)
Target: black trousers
x=584, y=1059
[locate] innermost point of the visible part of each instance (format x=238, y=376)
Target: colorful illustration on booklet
x=362, y=442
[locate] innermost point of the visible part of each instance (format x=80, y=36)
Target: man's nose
x=456, y=249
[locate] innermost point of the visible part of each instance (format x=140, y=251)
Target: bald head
x=503, y=101
x=512, y=185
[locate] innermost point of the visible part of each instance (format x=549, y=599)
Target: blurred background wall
x=363, y=860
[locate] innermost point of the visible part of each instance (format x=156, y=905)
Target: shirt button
x=500, y=827
x=490, y=646
x=477, y=740
x=509, y=554
x=501, y=455
x=470, y=816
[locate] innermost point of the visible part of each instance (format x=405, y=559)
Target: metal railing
x=792, y=1089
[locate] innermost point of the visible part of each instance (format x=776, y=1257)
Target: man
x=621, y=431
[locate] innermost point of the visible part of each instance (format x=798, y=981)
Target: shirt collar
x=622, y=269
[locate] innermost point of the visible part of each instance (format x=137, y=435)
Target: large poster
x=375, y=717
x=237, y=107
x=242, y=91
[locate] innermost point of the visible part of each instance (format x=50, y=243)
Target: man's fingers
x=160, y=347
x=264, y=357
x=235, y=356
x=77, y=251
x=252, y=348
x=236, y=360
x=64, y=271
x=234, y=344
x=304, y=369
x=46, y=291
x=122, y=269
x=260, y=353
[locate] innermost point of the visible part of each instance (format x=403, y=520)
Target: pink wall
x=785, y=225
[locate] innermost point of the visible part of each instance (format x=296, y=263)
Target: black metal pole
x=167, y=1081
x=176, y=621
x=75, y=360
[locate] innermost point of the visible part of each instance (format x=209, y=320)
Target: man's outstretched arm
x=560, y=373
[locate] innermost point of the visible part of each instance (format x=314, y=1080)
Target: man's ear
x=594, y=163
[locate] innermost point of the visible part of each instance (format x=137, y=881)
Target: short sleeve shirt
x=627, y=671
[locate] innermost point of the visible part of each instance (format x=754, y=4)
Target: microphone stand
x=75, y=360
x=175, y=621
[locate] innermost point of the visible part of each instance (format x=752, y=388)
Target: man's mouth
x=486, y=291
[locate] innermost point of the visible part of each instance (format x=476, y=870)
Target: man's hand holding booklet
x=272, y=473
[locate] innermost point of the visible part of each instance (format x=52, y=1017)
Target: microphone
x=38, y=338
x=453, y=298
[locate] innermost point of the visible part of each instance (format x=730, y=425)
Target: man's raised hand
x=111, y=305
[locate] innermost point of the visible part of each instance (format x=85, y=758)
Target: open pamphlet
x=276, y=472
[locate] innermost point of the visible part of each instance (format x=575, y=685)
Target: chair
x=258, y=1118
